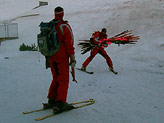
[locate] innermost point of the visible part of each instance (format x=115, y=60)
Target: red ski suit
x=98, y=36
x=59, y=63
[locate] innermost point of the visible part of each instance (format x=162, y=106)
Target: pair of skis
x=75, y=104
x=89, y=72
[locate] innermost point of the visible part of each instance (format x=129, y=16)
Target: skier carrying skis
x=97, y=39
x=59, y=64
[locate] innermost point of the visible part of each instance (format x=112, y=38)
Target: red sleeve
x=68, y=38
x=95, y=34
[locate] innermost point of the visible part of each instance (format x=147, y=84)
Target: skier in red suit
x=97, y=38
x=59, y=63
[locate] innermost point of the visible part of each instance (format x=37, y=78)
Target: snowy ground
x=135, y=95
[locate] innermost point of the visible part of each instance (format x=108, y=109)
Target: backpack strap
x=53, y=23
x=64, y=23
x=60, y=23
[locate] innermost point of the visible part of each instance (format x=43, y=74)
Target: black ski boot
x=51, y=103
x=62, y=107
x=83, y=68
x=111, y=69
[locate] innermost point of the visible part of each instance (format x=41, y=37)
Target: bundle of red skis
x=125, y=37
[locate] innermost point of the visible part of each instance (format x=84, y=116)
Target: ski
x=37, y=110
x=89, y=72
x=87, y=103
x=42, y=109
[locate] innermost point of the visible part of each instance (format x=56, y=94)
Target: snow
x=135, y=95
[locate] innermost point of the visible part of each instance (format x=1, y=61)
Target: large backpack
x=47, y=38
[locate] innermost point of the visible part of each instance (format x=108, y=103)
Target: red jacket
x=65, y=37
x=98, y=37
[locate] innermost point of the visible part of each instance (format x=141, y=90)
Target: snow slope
x=135, y=95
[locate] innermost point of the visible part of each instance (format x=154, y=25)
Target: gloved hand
x=72, y=61
x=117, y=42
x=72, y=64
x=99, y=44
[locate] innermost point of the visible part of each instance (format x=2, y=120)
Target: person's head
x=104, y=30
x=59, y=13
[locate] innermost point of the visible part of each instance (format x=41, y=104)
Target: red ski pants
x=102, y=52
x=59, y=86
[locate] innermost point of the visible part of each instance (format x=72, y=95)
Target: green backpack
x=47, y=38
